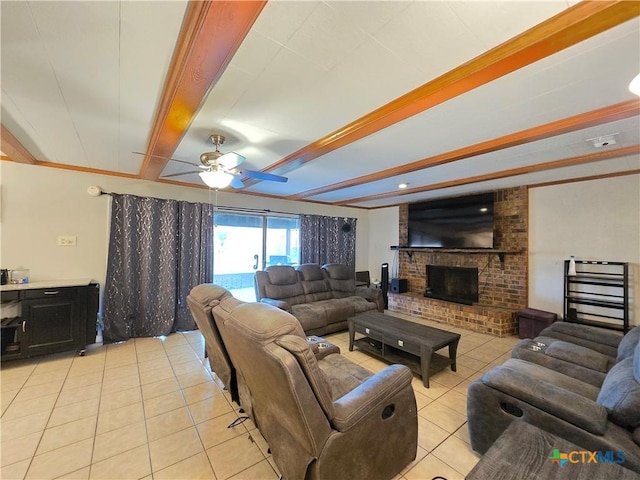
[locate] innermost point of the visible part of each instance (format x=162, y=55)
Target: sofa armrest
x=372, y=295
x=281, y=304
x=579, y=355
x=372, y=395
x=596, y=335
x=564, y=404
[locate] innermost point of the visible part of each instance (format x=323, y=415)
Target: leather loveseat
x=601, y=418
x=321, y=298
x=323, y=417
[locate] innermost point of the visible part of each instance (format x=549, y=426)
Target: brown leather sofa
x=322, y=419
x=321, y=298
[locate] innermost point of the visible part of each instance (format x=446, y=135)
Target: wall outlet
x=67, y=240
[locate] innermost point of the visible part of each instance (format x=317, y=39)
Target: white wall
x=384, y=228
x=592, y=220
x=598, y=219
x=38, y=204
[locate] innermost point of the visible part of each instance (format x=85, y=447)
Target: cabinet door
x=49, y=325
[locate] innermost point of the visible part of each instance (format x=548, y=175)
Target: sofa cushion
x=312, y=317
x=579, y=355
x=336, y=311
x=358, y=304
x=620, y=393
x=307, y=361
x=263, y=323
x=313, y=282
x=541, y=391
x=596, y=338
x=209, y=294
x=628, y=343
x=282, y=275
x=341, y=278
x=283, y=284
x=310, y=271
x=342, y=374
x=538, y=372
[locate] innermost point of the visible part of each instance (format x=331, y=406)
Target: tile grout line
x=95, y=431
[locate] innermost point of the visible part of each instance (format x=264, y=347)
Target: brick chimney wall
x=502, y=285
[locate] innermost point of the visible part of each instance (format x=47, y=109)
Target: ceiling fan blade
x=180, y=174
x=231, y=159
x=237, y=182
x=166, y=158
x=261, y=175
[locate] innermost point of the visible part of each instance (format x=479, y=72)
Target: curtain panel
x=327, y=240
x=158, y=250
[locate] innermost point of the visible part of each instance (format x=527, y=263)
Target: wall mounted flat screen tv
x=459, y=222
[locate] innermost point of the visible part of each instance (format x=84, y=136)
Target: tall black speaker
x=384, y=283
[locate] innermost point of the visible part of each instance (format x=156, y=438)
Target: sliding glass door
x=244, y=243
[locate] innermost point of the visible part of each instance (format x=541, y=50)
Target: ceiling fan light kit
x=216, y=178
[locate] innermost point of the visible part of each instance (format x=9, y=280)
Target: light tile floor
x=151, y=408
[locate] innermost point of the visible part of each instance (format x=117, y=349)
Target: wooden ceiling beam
x=13, y=149
x=570, y=27
x=211, y=33
x=512, y=172
x=624, y=173
x=600, y=116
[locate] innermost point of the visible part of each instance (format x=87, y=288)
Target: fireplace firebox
x=453, y=284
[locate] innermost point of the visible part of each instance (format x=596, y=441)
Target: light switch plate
x=67, y=240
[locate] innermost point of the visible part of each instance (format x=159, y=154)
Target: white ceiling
x=82, y=87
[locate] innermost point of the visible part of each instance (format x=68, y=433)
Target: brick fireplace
x=502, y=277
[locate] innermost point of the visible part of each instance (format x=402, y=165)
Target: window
x=244, y=243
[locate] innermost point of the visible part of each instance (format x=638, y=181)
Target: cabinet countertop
x=76, y=282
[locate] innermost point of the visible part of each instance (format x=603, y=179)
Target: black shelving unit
x=598, y=294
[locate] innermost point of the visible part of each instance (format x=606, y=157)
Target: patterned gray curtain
x=328, y=240
x=195, y=256
x=152, y=265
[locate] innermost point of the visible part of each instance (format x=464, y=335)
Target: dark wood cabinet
x=50, y=320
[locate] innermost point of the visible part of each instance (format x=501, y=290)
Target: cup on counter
x=20, y=276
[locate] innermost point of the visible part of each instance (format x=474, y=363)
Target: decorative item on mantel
x=572, y=266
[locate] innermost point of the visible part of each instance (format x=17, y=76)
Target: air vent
x=604, y=141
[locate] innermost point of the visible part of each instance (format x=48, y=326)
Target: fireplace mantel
x=464, y=251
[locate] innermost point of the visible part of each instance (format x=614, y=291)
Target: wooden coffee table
x=401, y=341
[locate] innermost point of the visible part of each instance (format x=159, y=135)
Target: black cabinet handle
x=51, y=292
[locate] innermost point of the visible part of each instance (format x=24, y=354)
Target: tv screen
x=460, y=222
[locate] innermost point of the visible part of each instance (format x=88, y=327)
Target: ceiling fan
x=215, y=173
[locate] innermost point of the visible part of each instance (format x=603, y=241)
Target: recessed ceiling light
x=403, y=185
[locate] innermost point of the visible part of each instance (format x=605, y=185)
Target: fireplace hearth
x=452, y=284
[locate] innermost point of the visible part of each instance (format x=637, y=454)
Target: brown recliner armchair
x=201, y=300
x=323, y=419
